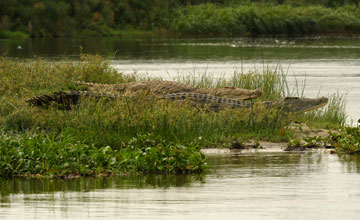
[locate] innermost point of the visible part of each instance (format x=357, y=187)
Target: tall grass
x=272, y=80
x=266, y=19
x=126, y=118
x=129, y=123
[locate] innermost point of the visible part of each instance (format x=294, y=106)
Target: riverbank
x=267, y=20
x=242, y=19
x=128, y=135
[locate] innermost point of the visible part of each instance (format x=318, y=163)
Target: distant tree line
x=41, y=18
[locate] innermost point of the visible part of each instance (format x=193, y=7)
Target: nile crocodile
x=289, y=107
x=158, y=87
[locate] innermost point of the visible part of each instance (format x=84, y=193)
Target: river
x=275, y=185
x=254, y=185
x=326, y=65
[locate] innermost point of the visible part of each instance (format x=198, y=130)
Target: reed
x=142, y=135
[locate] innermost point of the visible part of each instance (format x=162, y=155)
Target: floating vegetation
x=61, y=155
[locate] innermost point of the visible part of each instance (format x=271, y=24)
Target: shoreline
x=125, y=136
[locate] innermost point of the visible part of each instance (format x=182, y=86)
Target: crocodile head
x=238, y=93
x=298, y=105
x=290, y=107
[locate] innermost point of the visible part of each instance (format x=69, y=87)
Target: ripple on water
x=277, y=185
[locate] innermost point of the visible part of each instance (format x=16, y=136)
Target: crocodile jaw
x=300, y=105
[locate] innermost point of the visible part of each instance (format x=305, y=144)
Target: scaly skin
x=289, y=106
x=65, y=99
x=158, y=87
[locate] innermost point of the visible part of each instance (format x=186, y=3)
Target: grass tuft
x=128, y=134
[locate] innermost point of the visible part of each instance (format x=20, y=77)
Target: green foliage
x=54, y=18
x=266, y=19
x=40, y=154
x=153, y=135
x=77, y=17
x=15, y=34
x=346, y=140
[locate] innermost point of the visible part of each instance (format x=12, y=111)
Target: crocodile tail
x=64, y=99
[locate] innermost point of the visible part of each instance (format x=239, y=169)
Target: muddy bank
x=301, y=131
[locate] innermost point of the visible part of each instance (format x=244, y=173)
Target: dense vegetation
x=92, y=140
x=39, y=18
x=267, y=20
x=344, y=140
x=126, y=135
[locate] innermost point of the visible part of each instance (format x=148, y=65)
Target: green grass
x=142, y=135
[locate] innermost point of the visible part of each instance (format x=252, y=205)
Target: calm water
x=267, y=185
x=327, y=66
x=274, y=185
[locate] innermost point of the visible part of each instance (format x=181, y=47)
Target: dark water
x=315, y=185
x=188, y=49
x=326, y=65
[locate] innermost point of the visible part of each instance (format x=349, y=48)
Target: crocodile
x=159, y=87
x=289, y=107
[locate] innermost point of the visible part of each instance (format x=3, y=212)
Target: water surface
x=328, y=65
x=314, y=185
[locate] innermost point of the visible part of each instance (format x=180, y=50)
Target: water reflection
x=351, y=163
x=252, y=186
x=186, y=49
x=34, y=186
x=328, y=65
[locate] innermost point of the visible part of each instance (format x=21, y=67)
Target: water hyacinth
x=38, y=154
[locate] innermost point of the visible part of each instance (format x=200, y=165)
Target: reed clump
x=135, y=134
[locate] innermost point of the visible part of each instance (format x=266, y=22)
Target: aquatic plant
x=346, y=139
x=146, y=132
x=61, y=155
